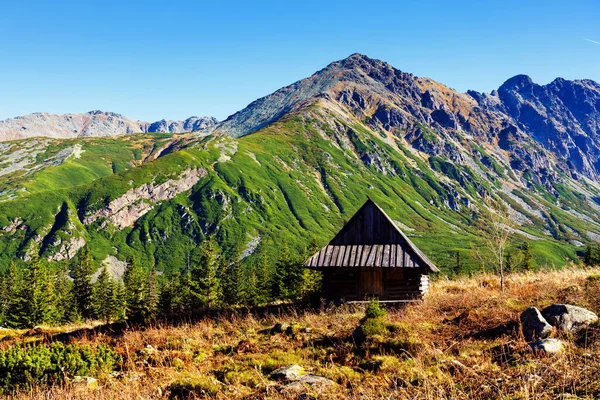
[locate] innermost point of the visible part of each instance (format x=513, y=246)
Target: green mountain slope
x=295, y=179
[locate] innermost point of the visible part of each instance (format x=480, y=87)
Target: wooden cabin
x=372, y=258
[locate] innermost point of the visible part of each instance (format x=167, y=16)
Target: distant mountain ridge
x=92, y=123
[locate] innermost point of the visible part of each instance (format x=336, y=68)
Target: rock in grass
x=85, y=382
x=308, y=380
x=534, y=325
x=280, y=327
x=567, y=317
x=548, y=346
x=289, y=373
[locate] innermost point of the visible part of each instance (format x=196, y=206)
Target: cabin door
x=371, y=283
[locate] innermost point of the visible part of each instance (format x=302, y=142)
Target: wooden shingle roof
x=370, y=239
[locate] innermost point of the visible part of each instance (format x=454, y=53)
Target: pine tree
x=458, y=264
x=103, y=295
x=152, y=295
x=135, y=283
x=289, y=277
x=262, y=275
x=234, y=284
x=35, y=303
x=508, y=263
x=82, y=283
x=63, y=288
x=280, y=289
x=11, y=284
x=118, y=301
x=206, y=287
x=171, y=298
x=588, y=258
x=527, y=258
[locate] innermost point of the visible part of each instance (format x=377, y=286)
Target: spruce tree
x=527, y=258
x=171, y=295
x=35, y=303
x=235, y=284
x=63, y=288
x=508, y=263
x=82, y=283
x=135, y=282
x=588, y=257
x=103, y=296
x=152, y=295
x=11, y=284
x=206, y=287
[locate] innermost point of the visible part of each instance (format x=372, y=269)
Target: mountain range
x=93, y=123
x=295, y=164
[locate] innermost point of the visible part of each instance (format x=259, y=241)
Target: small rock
x=85, y=382
x=534, y=325
x=548, y=346
x=567, y=317
x=308, y=380
x=289, y=373
x=280, y=327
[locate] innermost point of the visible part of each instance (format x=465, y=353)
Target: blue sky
x=151, y=60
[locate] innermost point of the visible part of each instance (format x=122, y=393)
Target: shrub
x=374, y=310
x=22, y=368
x=192, y=386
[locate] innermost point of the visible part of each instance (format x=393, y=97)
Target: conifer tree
x=63, y=288
x=263, y=279
x=527, y=258
x=11, y=285
x=588, y=258
x=82, y=283
x=508, y=263
x=152, y=295
x=289, y=278
x=206, y=287
x=35, y=302
x=103, y=296
x=234, y=284
x=171, y=298
x=118, y=302
x=135, y=282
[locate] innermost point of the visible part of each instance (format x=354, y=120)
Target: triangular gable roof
x=370, y=239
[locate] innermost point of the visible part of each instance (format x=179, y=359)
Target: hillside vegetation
x=463, y=341
x=294, y=165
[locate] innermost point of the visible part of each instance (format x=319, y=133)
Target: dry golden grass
x=462, y=342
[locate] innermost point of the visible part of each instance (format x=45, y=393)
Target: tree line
x=36, y=296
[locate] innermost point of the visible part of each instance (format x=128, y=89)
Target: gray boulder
x=308, y=380
x=547, y=346
x=297, y=379
x=534, y=325
x=289, y=373
x=567, y=317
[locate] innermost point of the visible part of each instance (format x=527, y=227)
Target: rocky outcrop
x=93, y=123
x=128, y=208
x=533, y=325
x=567, y=317
x=67, y=249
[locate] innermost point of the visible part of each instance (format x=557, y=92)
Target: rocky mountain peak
x=517, y=83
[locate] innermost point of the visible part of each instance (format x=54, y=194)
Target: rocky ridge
x=93, y=123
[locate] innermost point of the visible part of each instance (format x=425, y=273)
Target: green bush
x=22, y=368
x=193, y=386
x=374, y=310
x=373, y=326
